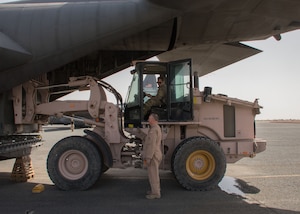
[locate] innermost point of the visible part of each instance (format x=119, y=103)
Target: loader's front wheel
x=74, y=163
x=199, y=164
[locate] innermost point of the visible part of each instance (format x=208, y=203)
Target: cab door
x=143, y=82
x=179, y=106
x=180, y=91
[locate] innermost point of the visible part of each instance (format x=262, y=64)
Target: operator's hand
x=147, y=95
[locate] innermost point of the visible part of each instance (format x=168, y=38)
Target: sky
x=272, y=76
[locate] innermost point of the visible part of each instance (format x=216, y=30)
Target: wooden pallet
x=23, y=169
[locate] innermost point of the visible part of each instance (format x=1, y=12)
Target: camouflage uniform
x=159, y=99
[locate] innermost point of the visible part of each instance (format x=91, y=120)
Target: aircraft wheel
x=199, y=164
x=74, y=163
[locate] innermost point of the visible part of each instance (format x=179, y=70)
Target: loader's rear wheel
x=74, y=163
x=199, y=164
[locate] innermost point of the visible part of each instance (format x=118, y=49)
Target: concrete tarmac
x=269, y=183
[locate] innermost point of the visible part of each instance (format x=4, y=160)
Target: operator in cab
x=159, y=99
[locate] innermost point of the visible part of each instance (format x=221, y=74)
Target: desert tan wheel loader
x=201, y=131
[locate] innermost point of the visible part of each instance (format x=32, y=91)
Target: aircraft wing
x=208, y=58
x=63, y=38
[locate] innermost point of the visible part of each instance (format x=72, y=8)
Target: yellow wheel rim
x=200, y=165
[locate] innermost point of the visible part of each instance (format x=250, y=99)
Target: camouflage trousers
x=151, y=102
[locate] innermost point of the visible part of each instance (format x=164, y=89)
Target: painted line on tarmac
x=271, y=176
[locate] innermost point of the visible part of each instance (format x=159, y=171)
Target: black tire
x=199, y=164
x=176, y=150
x=74, y=163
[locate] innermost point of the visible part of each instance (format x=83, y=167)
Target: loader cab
x=178, y=104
